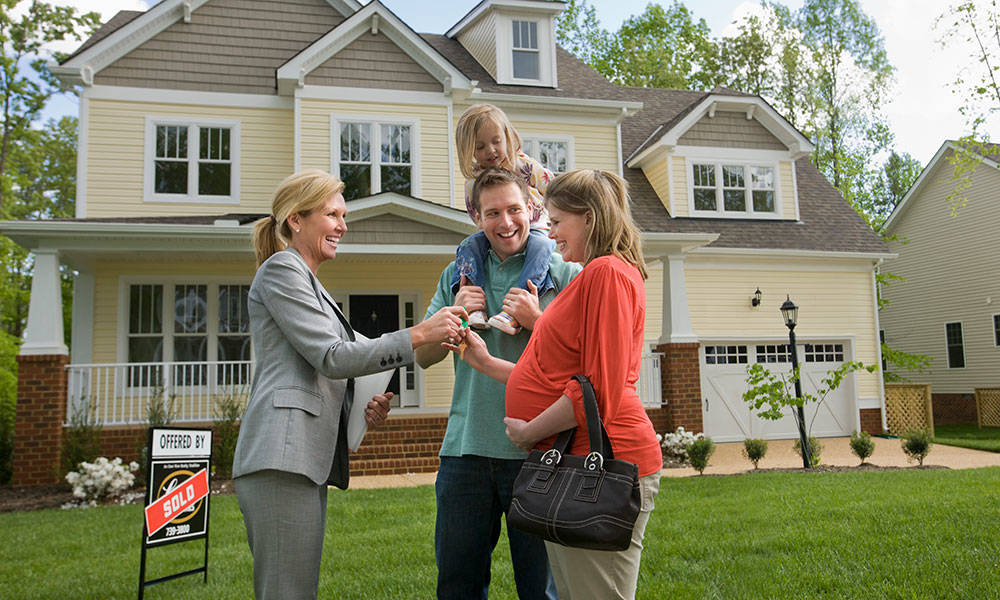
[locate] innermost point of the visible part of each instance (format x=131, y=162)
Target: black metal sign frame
x=174, y=455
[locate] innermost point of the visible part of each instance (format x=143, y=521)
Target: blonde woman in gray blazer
x=292, y=441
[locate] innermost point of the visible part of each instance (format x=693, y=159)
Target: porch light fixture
x=790, y=314
x=755, y=301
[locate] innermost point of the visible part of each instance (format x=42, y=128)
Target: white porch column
x=44, y=332
x=676, y=316
x=82, y=336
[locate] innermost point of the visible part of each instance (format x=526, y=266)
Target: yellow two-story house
x=193, y=111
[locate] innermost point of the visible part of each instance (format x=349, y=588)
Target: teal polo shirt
x=475, y=423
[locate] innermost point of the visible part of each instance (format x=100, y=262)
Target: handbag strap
x=596, y=433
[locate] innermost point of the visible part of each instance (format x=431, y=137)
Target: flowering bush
x=100, y=480
x=675, y=445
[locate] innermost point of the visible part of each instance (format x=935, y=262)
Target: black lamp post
x=790, y=313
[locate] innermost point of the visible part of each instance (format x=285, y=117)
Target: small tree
x=917, y=445
x=226, y=430
x=754, y=450
x=862, y=445
x=771, y=393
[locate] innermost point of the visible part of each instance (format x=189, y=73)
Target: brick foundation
x=41, y=408
x=871, y=421
x=680, y=369
x=954, y=409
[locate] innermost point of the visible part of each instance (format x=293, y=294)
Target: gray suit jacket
x=305, y=353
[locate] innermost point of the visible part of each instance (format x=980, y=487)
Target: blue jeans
x=470, y=259
x=473, y=492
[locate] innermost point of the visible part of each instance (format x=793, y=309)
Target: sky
x=923, y=113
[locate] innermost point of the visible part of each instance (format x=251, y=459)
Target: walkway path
x=728, y=458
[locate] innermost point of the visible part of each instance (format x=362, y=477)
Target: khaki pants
x=598, y=574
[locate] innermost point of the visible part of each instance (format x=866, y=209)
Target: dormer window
x=727, y=189
x=526, y=56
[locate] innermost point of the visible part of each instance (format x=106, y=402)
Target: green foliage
x=754, y=450
x=9, y=346
x=917, y=444
x=862, y=445
x=975, y=25
x=159, y=413
x=699, y=452
x=82, y=441
x=579, y=31
x=771, y=393
x=225, y=432
x=815, y=449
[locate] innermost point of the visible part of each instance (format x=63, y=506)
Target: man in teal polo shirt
x=478, y=461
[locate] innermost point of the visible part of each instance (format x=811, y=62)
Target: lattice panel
x=908, y=406
x=988, y=406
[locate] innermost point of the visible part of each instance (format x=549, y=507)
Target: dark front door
x=373, y=316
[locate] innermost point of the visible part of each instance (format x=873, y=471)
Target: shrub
x=815, y=448
x=699, y=452
x=158, y=414
x=9, y=346
x=82, y=441
x=226, y=430
x=917, y=445
x=862, y=445
x=100, y=480
x=754, y=450
x=675, y=445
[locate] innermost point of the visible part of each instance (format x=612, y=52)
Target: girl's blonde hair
x=300, y=193
x=605, y=196
x=469, y=124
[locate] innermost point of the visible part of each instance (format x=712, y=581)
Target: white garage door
x=728, y=418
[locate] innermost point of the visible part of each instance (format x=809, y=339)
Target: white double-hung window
x=372, y=155
x=526, y=58
x=733, y=189
x=191, y=161
x=555, y=153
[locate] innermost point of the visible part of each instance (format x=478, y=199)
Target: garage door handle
x=705, y=400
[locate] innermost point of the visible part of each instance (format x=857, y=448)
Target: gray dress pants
x=285, y=516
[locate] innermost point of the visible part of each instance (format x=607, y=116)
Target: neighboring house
x=947, y=306
x=193, y=111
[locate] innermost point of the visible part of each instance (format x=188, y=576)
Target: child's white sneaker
x=477, y=320
x=505, y=323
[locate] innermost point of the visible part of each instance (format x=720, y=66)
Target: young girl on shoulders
x=486, y=138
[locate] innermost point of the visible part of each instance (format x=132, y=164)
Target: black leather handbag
x=579, y=501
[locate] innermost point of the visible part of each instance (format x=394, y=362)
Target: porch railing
x=127, y=393
x=650, y=384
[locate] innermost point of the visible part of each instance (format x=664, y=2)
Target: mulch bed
x=37, y=497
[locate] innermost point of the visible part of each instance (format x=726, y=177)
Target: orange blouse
x=593, y=327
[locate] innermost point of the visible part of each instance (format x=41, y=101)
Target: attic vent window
x=525, y=47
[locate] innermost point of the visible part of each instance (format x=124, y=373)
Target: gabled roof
x=374, y=17
x=667, y=133
x=549, y=7
x=126, y=31
x=990, y=157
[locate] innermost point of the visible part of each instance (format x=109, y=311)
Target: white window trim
x=211, y=306
x=376, y=121
x=720, y=212
x=546, y=51
x=527, y=138
x=994, y=327
x=149, y=158
x=947, y=355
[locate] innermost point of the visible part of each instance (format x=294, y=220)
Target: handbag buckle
x=551, y=457
x=594, y=462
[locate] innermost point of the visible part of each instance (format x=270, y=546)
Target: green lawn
x=968, y=436
x=908, y=534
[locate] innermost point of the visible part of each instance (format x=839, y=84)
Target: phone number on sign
x=177, y=530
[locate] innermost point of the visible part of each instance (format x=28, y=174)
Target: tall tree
x=25, y=83
x=852, y=80
x=662, y=47
x=579, y=31
x=975, y=25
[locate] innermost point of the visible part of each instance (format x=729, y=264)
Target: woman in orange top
x=594, y=327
